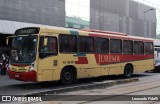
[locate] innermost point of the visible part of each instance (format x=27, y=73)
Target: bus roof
x=63, y=30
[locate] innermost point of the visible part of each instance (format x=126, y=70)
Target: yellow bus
x=59, y=54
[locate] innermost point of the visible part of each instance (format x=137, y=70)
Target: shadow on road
x=152, y=71
x=53, y=84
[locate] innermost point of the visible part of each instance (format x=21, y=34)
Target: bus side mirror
x=7, y=41
x=45, y=41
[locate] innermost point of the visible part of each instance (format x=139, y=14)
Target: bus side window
x=86, y=44
x=73, y=44
x=89, y=44
x=82, y=44
x=127, y=47
x=49, y=48
x=149, y=48
x=102, y=45
x=63, y=42
x=116, y=46
x=138, y=47
x=68, y=43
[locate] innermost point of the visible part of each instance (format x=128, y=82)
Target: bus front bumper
x=23, y=76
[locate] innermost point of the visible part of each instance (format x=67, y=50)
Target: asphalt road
x=14, y=87
x=147, y=89
x=149, y=83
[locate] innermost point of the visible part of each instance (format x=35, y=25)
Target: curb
x=94, y=85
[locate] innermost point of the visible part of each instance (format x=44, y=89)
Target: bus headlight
x=31, y=67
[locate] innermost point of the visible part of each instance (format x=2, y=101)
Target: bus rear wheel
x=128, y=70
x=67, y=76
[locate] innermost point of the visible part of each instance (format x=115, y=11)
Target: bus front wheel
x=128, y=70
x=67, y=76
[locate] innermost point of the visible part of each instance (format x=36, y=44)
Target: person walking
x=3, y=67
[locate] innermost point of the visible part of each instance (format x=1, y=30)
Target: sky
x=78, y=8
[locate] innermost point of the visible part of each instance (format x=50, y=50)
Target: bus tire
x=67, y=76
x=128, y=70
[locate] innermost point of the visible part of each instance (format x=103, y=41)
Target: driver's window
x=48, y=46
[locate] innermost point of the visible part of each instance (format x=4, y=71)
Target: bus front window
x=24, y=49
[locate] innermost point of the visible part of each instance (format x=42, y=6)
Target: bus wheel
x=128, y=70
x=67, y=76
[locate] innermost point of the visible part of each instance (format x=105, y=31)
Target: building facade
x=125, y=16
x=47, y=12
x=113, y=15
x=15, y=14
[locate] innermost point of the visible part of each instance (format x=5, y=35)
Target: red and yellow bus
x=50, y=54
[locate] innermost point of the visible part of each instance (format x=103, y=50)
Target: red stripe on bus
x=23, y=76
x=82, y=60
x=115, y=58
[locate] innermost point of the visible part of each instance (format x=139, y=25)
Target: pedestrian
x=0, y=65
x=3, y=68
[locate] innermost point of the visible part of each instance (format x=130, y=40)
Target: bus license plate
x=17, y=76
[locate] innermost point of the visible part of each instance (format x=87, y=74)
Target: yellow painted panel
x=116, y=70
x=85, y=73
x=39, y=75
x=97, y=71
x=103, y=71
x=56, y=74
x=47, y=75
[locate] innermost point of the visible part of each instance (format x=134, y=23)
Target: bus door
x=48, y=61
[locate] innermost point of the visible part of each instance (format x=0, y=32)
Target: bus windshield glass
x=24, y=49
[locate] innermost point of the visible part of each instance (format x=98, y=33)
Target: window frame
x=43, y=54
x=67, y=42
x=138, y=47
x=85, y=42
x=145, y=48
x=129, y=46
x=112, y=44
x=101, y=51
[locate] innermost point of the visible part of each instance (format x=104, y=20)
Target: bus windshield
x=24, y=49
x=157, y=51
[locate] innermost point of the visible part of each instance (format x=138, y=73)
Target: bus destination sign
x=26, y=31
